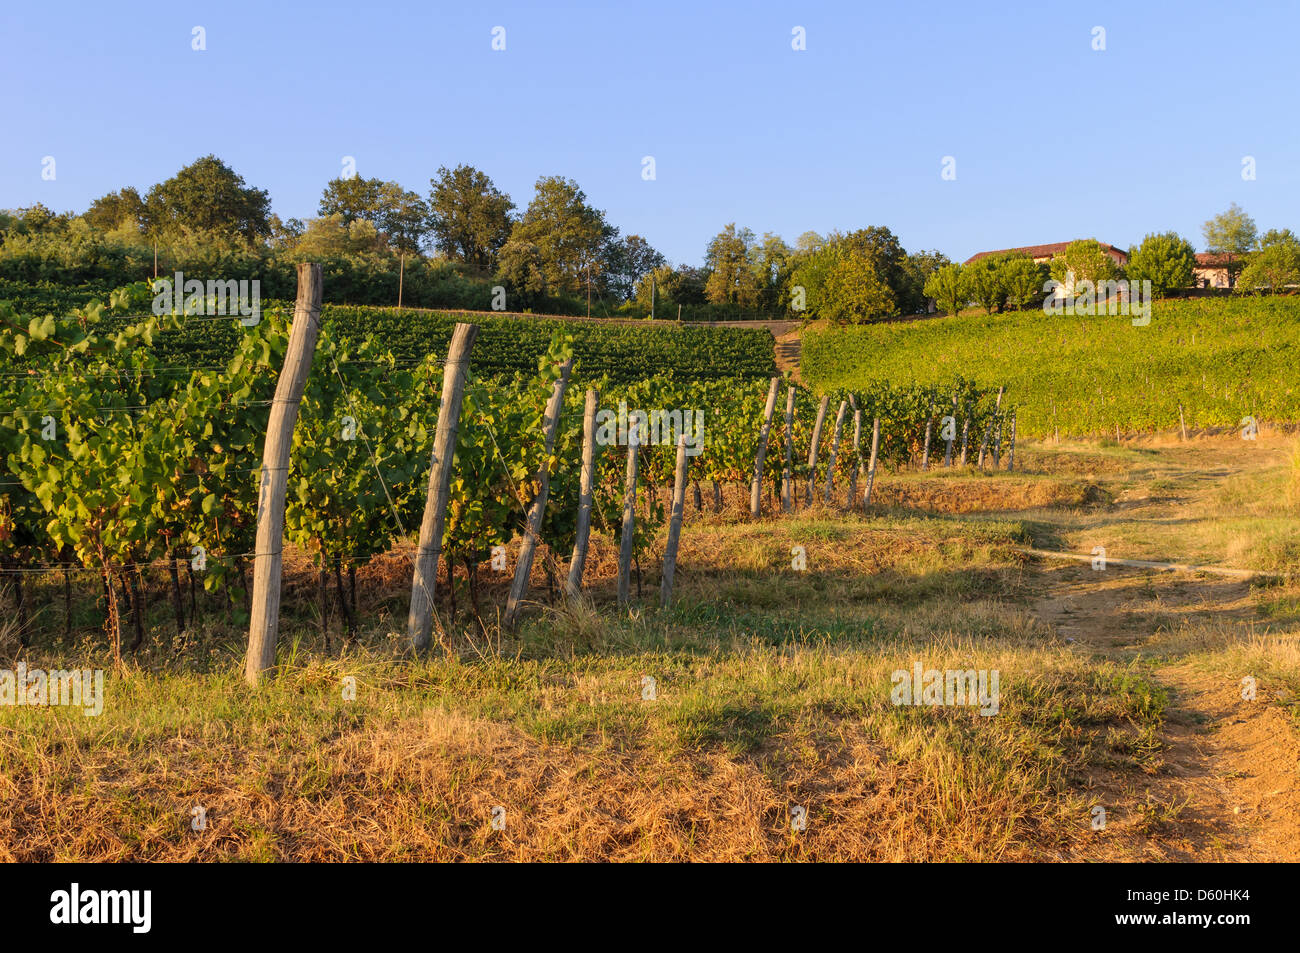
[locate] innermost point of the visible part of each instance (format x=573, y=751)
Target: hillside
x=1220, y=359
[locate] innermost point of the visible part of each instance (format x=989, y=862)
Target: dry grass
x=772, y=690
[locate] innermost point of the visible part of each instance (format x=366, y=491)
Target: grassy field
x=698, y=732
x=1221, y=359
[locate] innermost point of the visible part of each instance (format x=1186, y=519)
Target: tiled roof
x=1042, y=251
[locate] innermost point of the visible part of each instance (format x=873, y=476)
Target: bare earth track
x=1226, y=782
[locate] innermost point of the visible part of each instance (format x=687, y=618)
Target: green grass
x=1221, y=359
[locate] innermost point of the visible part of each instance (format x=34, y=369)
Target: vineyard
x=1218, y=360
x=131, y=454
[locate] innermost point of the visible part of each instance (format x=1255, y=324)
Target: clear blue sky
x=1052, y=140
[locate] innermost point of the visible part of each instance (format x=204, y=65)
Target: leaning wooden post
x=857, y=452
x=965, y=436
x=264, y=622
x=629, y=515
x=533, y=527
x=756, y=489
x=1182, y=422
x=929, y=424
x=871, y=467
x=835, y=449
x=952, y=435
x=787, y=484
x=812, y=450
x=424, y=579
x=997, y=443
x=675, y=521
x=1011, y=457
x=574, y=584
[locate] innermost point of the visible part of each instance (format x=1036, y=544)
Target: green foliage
x=1220, y=359
x=1231, y=231
x=948, y=287
x=468, y=216
x=1085, y=260
x=1275, y=268
x=207, y=198
x=1166, y=260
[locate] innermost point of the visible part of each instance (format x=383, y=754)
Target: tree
x=112, y=211
x=520, y=267
x=771, y=260
x=1232, y=231
x=682, y=285
x=1278, y=236
x=855, y=292
x=1167, y=260
x=1022, y=281
x=626, y=261
x=1086, y=261
x=352, y=198
x=205, y=199
x=399, y=217
x=881, y=248
x=917, y=269
x=469, y=217
x=948, y=287
x=984, y=282
x=1276, y=267
x=732, y=278
x=569, y=234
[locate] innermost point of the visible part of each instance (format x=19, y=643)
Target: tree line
x=453, y=247
x=1267, y=262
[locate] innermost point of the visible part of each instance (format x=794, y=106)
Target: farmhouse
x=1045, y=253
x=1215, y=270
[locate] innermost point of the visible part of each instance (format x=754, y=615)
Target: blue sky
x=1052, y=139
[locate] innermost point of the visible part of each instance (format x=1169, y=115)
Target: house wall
x=1217, y=277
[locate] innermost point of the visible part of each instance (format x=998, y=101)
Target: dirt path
x=1224, y=783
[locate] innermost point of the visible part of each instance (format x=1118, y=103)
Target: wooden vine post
x=264, y=621
x=1011, y=457
x=835, y=449
x=629, y=516
x=574, y=584
x=787, y=484
x=537, y=510
x=947, y=454
x=856, y=472
x=997, y=442
x=871, y=467
x=756, y=489
x=812, y=449
x=424, y=580
x=675, y=520
x=929, y=425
